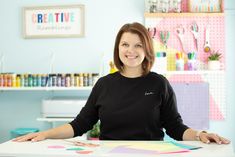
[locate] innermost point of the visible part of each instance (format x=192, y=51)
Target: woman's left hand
x=212, y=137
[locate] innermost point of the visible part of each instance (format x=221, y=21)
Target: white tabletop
x=59, y=148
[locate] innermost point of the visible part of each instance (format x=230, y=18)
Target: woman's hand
x=60, y=132
x=212, y=137
x=34, y=137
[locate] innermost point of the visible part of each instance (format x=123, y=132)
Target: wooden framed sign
x=53, y=21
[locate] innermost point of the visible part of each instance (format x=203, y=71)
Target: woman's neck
x=132, y=72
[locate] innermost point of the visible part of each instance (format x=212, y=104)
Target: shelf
x=55, y=119
x=203, y=72
x=152, y=15
x=45, y=88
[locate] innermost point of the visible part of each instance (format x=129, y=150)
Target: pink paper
x=56, y=147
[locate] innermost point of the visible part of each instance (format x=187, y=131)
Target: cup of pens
x=179, y=61
x=192, y=62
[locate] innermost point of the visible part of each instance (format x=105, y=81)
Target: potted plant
x=214, y=60
x=94, y=133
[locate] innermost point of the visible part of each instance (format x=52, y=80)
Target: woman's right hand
x=34, y=137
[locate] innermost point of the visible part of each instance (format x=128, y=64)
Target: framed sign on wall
x=53, y=21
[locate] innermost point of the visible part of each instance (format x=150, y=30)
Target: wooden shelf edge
x=205, y=72
x=152, y=15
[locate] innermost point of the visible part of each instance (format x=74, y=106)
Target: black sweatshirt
x=131, y=109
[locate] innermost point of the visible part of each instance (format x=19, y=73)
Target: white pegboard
x=218, y=96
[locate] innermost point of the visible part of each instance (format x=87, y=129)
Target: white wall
x=102, y=21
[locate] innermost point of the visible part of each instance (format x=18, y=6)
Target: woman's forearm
x=61, y=132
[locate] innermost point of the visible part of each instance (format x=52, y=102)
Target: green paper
x=75, y=148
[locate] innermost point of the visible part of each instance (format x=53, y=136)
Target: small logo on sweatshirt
x=148, y=93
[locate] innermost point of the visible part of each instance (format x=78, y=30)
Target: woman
x=133, y=103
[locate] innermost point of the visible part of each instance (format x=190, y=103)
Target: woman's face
x=131, y=51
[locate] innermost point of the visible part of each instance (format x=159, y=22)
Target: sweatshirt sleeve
x=170, y=117
x=88, y=116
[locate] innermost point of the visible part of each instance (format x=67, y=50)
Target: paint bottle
x=59, y=78
x=67, y=80
x=90, y=79
x=13, y=77
x=85, y=79
x=49, y=83
x=63, y=76
x=35, y=81
x=81, y=79
x=39, y=80
x=72, y=80
x=1, y=80
x=6, y=80
x=43, y=80
x=54, y=80
x=18, y=80
x=76, y=80
x=22, y=80
x=26, y=80
x=30, y=80
x=9, y=80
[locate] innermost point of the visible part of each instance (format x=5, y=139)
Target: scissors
x=194, y=29
x=164, y=35
x=152, y=31
x=180, y=33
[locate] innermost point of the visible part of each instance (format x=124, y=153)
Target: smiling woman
x=132, y=103
x=131, y=51
x=133, y=43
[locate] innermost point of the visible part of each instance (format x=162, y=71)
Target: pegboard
x=216, y=25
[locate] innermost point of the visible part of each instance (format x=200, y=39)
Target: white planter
x=213, y=65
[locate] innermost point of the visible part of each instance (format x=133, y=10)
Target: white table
x=57, y=148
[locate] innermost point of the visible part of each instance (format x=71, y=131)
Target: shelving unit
x=199, y=72
x=45, y=88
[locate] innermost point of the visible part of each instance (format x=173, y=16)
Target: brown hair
x=142, y=32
